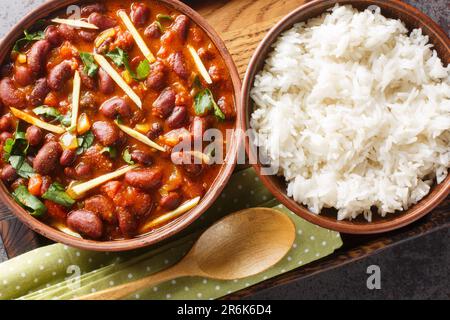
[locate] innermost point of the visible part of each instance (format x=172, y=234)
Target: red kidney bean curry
x=92, y=107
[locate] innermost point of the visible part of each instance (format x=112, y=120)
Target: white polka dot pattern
x=51, y=272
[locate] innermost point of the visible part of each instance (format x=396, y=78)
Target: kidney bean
x=152, y=31
x=198, y=127
x=134, y=200
x=85, y=223
x=6, y=123
x=5, y=136
x=9, y=174
x=23, y=76
x=37, y=56
x=50, y=137
x=145, y=178
x=88, y=101
x=47, y=159
x=139, y=14
x=10, y=96
x=53, y=36
x=181, y=26
x=46, y=182
x=205, y=53
x=127, y=222
x=34, y=135
x=88, y=36
x=227, y=107
x=83, y=171
x=30, y=158
x=91, y=8
x=157, y=77
x=70, y=172
x=141, y=157
x=101, y=206
x=216, y=73
x=87, y=81
x=115, y=106
x=165, y=103
x=155, y=131
x=67, y=158
x=177, y=61
x=103, y=22
x=105, y=82
x=59, y=75
x=68, y=33
x=106, y=133
x=39, y=92
x=124, y=40
x=170, y=201
x=177, y=118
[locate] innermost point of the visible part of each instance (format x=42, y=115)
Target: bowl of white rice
x=348, y=103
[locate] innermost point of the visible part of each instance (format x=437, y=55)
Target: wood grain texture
x=5, y=213
x=238, y=246
x=243, y=23
x=17, y=238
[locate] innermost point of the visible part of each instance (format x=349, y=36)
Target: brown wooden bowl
x=52, y=6
x=413, y=18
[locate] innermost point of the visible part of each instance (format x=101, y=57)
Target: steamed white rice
x=356, y=112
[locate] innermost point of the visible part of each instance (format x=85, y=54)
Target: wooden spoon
x=240, y=245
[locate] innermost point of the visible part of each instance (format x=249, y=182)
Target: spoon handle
x=126, y=289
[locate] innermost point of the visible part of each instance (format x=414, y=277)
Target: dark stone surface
x=415, y=269
x=3, y=256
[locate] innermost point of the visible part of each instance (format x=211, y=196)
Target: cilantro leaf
x=50, y=112
x=46, y=111
x=204, y=102
x=160, y=18
x=126, y=156
x=85, y=142
x=57, y=194
x=143, y=70
x=17, y=145
x=22, y=167
x=111, y=150
x=28, y=201
x=29, y=37
x=120, y=58
x=90, y=67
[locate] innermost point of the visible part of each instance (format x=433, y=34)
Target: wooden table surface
x=242, y=24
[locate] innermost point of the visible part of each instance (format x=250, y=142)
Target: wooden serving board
x=242, y=24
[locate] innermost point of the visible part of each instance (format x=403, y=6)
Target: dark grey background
x=415, y=269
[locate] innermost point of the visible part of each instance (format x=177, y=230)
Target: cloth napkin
x=61, y=272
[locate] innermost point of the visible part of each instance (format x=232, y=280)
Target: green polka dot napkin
x=61, y=272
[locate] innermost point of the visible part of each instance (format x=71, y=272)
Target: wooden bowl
x=413, y=18
x=47, y=9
